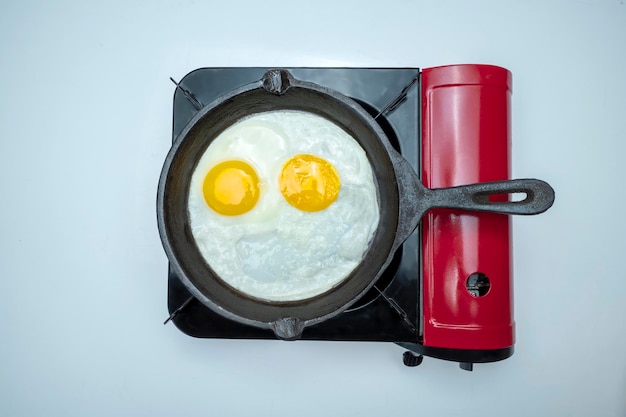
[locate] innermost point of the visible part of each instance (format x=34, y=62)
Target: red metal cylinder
x=466, y=139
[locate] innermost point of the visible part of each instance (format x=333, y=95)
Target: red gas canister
x=467, y=289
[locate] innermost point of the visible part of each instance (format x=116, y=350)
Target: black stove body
x=394, y=309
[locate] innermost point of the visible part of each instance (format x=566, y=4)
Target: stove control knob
x=478, y=284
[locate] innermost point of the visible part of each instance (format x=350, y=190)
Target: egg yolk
x=309, y=183
x=231, y=188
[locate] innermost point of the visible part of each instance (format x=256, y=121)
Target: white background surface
x=85, y=122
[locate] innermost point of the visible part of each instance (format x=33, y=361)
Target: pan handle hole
x=478, y=284
x=512, y=197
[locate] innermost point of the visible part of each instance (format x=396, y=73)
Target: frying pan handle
x=475, y=197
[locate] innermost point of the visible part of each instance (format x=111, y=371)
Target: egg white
x=275, y=251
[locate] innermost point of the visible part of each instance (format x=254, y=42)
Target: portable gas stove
x=448, y=292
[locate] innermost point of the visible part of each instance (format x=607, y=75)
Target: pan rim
x=359, y=114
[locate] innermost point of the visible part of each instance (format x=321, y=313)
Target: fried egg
x=282, y=205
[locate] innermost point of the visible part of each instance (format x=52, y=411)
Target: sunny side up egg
x=282, y=205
